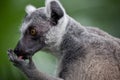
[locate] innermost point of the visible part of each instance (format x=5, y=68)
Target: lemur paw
x=14, y=59
x=19, y=62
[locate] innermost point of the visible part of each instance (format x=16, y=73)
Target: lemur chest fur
x=79, y=47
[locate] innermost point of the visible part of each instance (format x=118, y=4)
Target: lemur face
x=33, y=30
x=39, y=28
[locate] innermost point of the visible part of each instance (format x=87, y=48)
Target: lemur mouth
x=22, y=55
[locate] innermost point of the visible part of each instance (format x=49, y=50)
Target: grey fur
x=84, y=53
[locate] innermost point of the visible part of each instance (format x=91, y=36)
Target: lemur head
x=42, y=27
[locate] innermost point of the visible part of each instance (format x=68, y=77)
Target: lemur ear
x=29, y=9
x=54, y=10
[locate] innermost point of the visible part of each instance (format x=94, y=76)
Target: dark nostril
x=16, y=51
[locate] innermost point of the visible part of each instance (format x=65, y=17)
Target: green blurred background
x=104, y=14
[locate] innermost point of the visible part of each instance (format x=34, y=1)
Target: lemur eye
x=33, y=32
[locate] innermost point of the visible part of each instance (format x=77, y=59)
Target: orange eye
x=33, y=32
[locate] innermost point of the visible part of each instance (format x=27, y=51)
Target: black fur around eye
x=33, y=32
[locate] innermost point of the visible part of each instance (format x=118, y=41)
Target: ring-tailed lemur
x=84, y=53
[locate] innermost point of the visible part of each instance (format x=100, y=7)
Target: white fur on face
x=29, y=9
x=55, y=34
x=24, y=27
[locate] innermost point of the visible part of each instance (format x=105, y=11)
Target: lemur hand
x=19, y=62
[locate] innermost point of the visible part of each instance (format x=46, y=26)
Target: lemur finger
x=30, y=59
x=11, y=55
x=31, y=63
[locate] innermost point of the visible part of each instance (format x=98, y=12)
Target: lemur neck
x=71, y=38
x=58, y=34
x=55, y=34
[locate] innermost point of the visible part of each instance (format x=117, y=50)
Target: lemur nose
x=17, y=50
